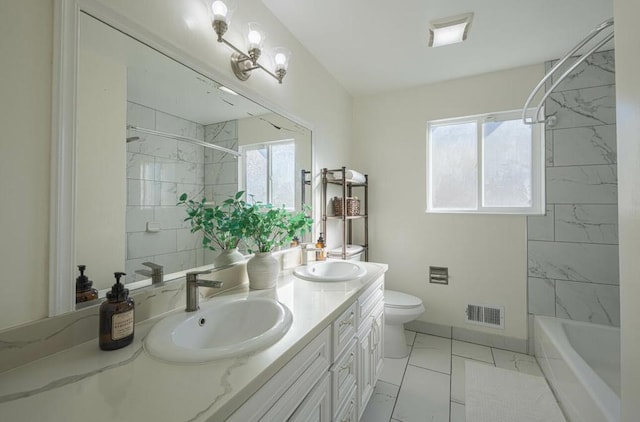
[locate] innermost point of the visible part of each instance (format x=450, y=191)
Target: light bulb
x=220, y=10
x=255, y=37
x=281, y=58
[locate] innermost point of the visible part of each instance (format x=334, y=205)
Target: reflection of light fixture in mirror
x=243, y=63
x=449, y=30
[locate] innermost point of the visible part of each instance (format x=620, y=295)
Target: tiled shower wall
x=573, y=249
x=159, y=170
x=221, y=175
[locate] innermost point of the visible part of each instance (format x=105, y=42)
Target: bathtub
x=581, y=362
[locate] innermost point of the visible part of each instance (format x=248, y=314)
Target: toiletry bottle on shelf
x=84, y=291
x=320, y=253
x=116, y=317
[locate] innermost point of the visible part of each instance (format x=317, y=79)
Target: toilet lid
x=395, y=299
x=351, y=250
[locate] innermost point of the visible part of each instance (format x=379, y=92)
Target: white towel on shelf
x=350, y=175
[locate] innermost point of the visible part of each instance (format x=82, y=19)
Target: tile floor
x=428, y=385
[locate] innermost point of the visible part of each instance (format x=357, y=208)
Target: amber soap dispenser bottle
x=320, y=252
x=116, y=317
x=84, y=290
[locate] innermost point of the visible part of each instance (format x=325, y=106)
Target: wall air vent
x=489, y=316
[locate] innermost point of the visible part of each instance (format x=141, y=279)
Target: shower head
x=133, y=138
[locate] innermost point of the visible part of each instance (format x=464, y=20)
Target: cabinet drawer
x=344, y=376
x=279, y=397
x=344, y=330
x=372, y=289
x=316, y=407
x=349, y=410
x=368, y=302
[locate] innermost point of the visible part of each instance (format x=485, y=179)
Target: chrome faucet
x=192, y=288
x=156, y=273
x=305, y=251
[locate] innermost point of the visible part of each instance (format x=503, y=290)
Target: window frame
x=268, y=146
x=537, y=165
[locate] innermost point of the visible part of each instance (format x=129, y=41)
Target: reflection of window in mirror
x=269, y=172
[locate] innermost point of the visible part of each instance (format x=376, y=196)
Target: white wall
x=101, y=157
x=309, y=92
x=486, y=254
x=25, y=118
x=628, y=128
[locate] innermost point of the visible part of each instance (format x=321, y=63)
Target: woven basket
x=353, y=206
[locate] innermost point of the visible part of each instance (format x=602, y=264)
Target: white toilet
x=399, y=308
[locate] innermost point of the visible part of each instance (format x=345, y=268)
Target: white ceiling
x=373, y=46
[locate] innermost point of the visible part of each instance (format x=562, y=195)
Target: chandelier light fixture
x=243, y=63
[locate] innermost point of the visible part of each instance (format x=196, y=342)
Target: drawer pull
x=348, y=415
x=348, y=365
x=375, y=333
x=347, y=321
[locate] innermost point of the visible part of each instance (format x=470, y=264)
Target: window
x=491, y=163
x=269, y=172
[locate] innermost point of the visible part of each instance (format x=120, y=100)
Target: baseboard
x=472, y=336
x=429, y=328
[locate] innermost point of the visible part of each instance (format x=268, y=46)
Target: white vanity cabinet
x=370, y=342
x=333, y=377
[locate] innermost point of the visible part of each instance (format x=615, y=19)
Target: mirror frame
x=66, y=39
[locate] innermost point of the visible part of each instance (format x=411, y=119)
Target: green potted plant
x=267, y=227
x=220, y=225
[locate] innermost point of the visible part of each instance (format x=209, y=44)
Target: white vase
x=227, y=257
x=263, y=270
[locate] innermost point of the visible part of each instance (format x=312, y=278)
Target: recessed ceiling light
x=449, y=30
x=227, y=90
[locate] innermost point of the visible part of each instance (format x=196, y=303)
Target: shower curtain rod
x=536, y=117
x=185, y=139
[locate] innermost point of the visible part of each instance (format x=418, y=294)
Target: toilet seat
x=399, y=300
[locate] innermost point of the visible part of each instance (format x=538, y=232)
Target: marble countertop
x=84, y=383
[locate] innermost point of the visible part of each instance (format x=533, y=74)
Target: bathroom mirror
x=144, y=123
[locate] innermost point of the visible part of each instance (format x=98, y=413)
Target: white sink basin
x=330, y=271
x=223, y=327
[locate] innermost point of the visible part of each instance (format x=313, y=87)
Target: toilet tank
x=354, y=253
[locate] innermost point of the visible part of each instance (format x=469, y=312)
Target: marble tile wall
x=159, y=170
x=221, y=169
x=573, y=249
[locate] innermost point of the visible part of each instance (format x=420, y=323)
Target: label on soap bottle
x=122, y=325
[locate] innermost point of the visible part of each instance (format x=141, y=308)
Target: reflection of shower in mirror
x=181, y=135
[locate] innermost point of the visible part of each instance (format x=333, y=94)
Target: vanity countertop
x=84, y=383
